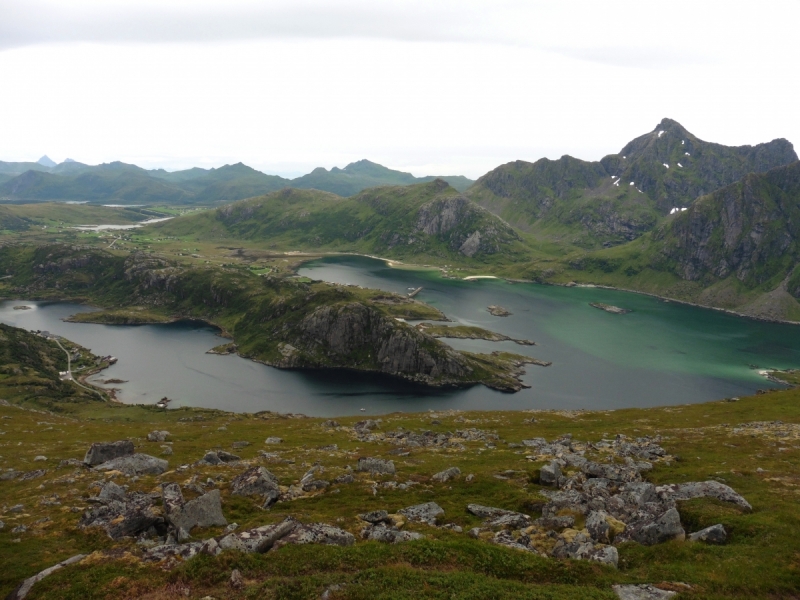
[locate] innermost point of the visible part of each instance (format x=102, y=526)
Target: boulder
x=389, y=535
x=111, y=491
x=317, y=533
x=704, y=489
x=598, y=527
x=423, y=513
x=157, y=436
x=376, y=516
x=555, y=523
x=447, y=474
x=376, y=465
x=715, y=534
x=135, y=464
x=549, y=474
x=203, y=511
x=612, y=472
x=101, y=452
x=641, y=592
x=256, y=481
x=240, y=445
x=218, y=457
x=273, y=440
x=655, y=531
x=259, y=539
x=125, y=518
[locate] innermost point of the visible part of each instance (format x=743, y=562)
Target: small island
x=469, y=332
x=498, y=311
x=615, y=310
x=22, y=307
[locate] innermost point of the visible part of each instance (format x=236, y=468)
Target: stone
x=555, y=523
x=125, y=518
x=40, y=458
x=346, y=478
x=376, y=516
x=227, y=457
x=17, y=508
x=256, y=481
x=158, y=436
x=19, y=529
x=447, y=475
x=641, y=592
x=330, y=423
x=25, y=587
x=240, y=445
x=203, y=511
x=101, y=452
x=317, y=533
x=210, y=458
x=612, y=472
x=259, y=539
x=273, y=440
x=423, y=513
x=705, y=489
x=10, y=474
x=33, y=474
x=715, y=534
x=236, y=580
x=376, y=465
x=315, y=485
x=166, y=450
x=389, y=535
x=656, y=531
x=136, y=464
x=171, y=497
x=111, y=491
x=598, y=527
x=549, y=474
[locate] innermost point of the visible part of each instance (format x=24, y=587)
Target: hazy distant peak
x=46, y=161
x=68, y=160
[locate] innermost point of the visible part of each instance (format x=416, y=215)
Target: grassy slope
x=378, y=221
x=713, y=441
x=19, y=217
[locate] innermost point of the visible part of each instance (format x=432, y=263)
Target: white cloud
x=431, y=87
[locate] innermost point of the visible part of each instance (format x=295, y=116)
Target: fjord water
x=661, y=353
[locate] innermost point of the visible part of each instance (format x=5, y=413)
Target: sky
x=434, y=87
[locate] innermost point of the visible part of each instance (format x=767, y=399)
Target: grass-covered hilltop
x=102, y=500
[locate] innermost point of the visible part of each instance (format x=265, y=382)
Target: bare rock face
x=136, y=464
x=101, y=452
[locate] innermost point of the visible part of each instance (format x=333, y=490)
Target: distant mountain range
x=121, y=183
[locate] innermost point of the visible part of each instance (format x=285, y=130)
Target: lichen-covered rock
x=317, y=533
x=111, y=491
x=256, y=481
x=376, y=516
x=388, y=534
x=704, y=489
x=136, y=464
x=157, y=436
x=642, y=591
x=549, y=474
x=125, y=518
x=423, y=513
x=715, y=534
x=447, y=475
x=376, y=465
x=101, y=452
x=203, y=511
x=649, y=531
x=612, y=472
x=259, y=539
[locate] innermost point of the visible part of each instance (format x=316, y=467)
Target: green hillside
x=428, y=220
x=622, y=196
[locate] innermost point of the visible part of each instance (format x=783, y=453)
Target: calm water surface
x=661, y=353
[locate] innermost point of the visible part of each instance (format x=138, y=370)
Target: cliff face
x=750, y=230
x=353, y=334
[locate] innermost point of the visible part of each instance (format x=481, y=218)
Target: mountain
x=364, y=174
x=423, y=220
x=46, y=161
x=128, y=184
x=623, y=195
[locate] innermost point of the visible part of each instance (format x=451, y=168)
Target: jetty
x=415, y=292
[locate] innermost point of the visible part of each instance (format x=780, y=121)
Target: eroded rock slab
x=101, y=452
x=136, y=464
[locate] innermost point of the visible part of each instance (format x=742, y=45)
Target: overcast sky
x=432, y=87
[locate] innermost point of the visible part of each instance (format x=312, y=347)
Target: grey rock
x=210, y=458
x=40, y=458
x=715, y=534
x=236, y=580
x=376, y=516
x=555, y=523
x=390, y=535
x=157, y=436
x=273, y=440
x=486, y=512
x=10, y=474
x=317, y=533
x=122, y=519
x=705, y=489
x=19, y=529
x=549, y=474
x=136, y=464
x=240, y=445
x=227, y=457
x=111, y=491
x=612, y=472
x=203, y=511
x=17, y=508
x=101, y=452
x=330, y=423
x=25, y=587
x=166, y=450
x=447, y=474
x=423, y=513
x=608, y=555
x=598, y=527
x=510, y=520
x=346, y=478
x=376, y=465
x=315, y=485
x=641, y=592
x=256, y=481
x=259, y=539
x=655, y=531
x=2, y=525
x=33, y=475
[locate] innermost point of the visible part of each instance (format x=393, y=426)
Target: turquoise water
x=661, y=353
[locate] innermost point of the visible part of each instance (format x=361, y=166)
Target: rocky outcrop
x=101, y=452
x=136, y=464
x=256, y=481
